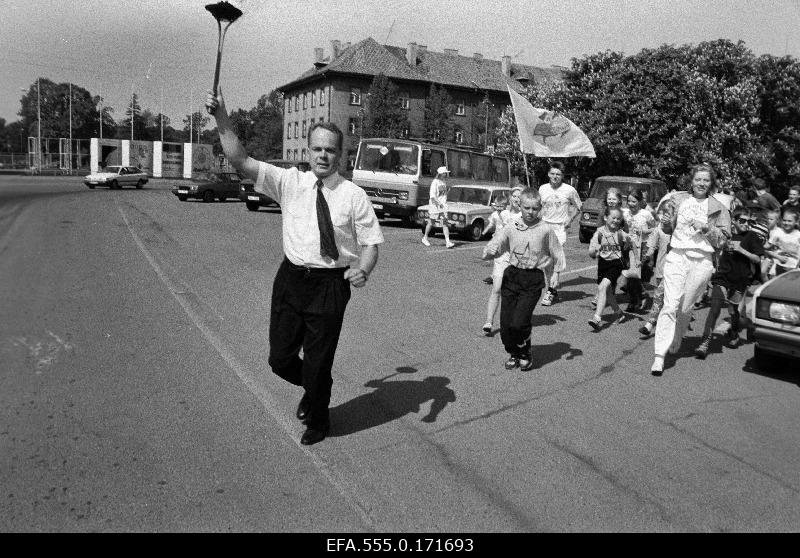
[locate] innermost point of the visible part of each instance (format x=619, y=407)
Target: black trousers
x=519, y=293
x=307, y=312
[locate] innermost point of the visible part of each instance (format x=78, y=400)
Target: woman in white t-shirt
x=701, y=226
x=437, y=210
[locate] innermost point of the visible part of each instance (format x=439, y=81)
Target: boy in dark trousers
x=533, y=246
x=736, y=268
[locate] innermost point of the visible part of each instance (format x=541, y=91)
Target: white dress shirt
x=354, y=220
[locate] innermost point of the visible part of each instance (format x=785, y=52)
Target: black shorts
x=609, y=269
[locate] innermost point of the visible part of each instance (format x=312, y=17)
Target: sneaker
x=646, y=329
x=487, y=328
x=733, y=338
x=425, y=241
x=450, y=245
x=512, y=362
x=595, y=323
x=549, y=297
x=594, y=302
x=488, y=280
x=526, y=363
x=701, y=351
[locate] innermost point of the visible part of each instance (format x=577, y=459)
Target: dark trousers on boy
x=520, y=291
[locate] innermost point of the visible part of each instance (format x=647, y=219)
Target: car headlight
x=403, y=196
x=778, y=311
x=587, y=217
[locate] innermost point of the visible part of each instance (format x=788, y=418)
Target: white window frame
x=355, y=98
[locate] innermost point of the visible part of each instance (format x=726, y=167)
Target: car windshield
x=114, y=169
x=210, y=177
x=652, y=191
x=399, y=158
x=478, y=196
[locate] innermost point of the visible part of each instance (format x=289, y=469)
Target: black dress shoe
x=303, y=407
x=314, y=434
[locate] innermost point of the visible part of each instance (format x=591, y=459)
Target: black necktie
x=327, y=241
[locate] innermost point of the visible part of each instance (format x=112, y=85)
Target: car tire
x=252, y=206
x=208, y=196
x=114, y=185
x=584, y=235
x=475, y=231
x=183, y=198
x=139, y=185
x=222, y=198
x=91, y=186
x=764, y=360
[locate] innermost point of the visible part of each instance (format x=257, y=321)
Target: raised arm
x=233, y=148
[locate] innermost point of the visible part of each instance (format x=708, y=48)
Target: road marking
x=269, y=403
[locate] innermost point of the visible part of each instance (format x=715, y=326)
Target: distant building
x=335, y=90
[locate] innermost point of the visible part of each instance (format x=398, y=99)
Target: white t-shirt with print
x=556, y=202
x=788, y=244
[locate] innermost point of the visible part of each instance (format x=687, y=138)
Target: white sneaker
x=425, y=241
x=450, y=245
x=487, y=327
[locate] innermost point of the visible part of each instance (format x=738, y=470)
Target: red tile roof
x=369, y=58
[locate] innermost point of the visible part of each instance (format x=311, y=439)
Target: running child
x=735, y=270
x=657, y=247
x=639, y=222
x=533, y=246
x=497, y=220
x=607, y=245
x=783, y=245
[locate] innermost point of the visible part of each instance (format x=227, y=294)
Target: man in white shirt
x=330, y=241
x=560, y=205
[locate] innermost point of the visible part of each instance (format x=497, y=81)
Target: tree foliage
x=657, y=112
x=383, y=115
x=438, y=115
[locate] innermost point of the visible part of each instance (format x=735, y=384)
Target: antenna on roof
x=390, y=31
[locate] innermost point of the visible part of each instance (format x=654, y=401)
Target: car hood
x=595, y=205
x=101, y=175
x=783, y=287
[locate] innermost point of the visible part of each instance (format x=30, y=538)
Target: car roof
x=484, y=186
x=630, y=179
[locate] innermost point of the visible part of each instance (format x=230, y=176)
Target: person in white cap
x=438, y=207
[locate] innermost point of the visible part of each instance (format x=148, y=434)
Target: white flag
x=546, y=133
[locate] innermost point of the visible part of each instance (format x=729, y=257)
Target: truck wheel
x=139, y=185
x=584, y=235
x=208, y=196
x=114, y=185
x=91, y=186
x=182, y=198
x=475, y=231
x=222, y=198
x=252, y=206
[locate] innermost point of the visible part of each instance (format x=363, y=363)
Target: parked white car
x=116, y=177
x=468, y=209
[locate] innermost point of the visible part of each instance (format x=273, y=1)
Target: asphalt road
x=135, y=394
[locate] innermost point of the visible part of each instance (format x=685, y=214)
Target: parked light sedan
x=208, y=186
x=252, y=199
x=775, y=319
x=468, y=209
x=115, y=177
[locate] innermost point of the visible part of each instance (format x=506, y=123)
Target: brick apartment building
x=335, y=90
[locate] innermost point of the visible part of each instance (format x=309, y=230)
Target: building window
x=460, y=110
x=289, y=105
x=313, y=100
x=355, y=95
x=352, y=126
x=405, y=133
x=297, y=102
x=436, y=135
x=289, y=131
x=295, y=155
x=459, y=136
x=310, y=123
x=304, y=128
x=321, y=119
x=405, y=102
x=289, y=154
x=303, y=154
x=295, y=130
x=321, y=97
x=305, y=101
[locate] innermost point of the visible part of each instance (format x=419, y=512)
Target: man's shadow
x=545, y=354
x=391, y=400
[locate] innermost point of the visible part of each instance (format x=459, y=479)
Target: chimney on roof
x=451, y=51
x=411, y=54
x=505, y=64
x=318, y=57
x=335, y=48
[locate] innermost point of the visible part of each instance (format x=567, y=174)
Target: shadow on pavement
x=545, y=354
x=781, y=369
x=390, y=401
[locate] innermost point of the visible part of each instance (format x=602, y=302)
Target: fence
x=58, y=156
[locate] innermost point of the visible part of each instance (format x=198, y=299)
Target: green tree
x=193, y=125
x=438, y=115
x=55, y=110
x=383, y=115
x=133, y=112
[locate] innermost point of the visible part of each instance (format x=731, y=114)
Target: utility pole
x=69, y=151
x=131, y=114
x=39, y=124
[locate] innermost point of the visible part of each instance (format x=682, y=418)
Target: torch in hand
x=223, y=12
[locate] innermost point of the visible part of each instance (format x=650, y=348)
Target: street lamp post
x=39, y=125
x=69, y=151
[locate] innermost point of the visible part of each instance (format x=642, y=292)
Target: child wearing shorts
x=607, y=245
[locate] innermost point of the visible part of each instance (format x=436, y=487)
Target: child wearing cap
x=735, y=271
x=438, y=207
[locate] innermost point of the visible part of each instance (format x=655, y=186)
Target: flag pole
x=527, y=175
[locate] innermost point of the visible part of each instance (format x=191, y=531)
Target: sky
x=165, y=50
